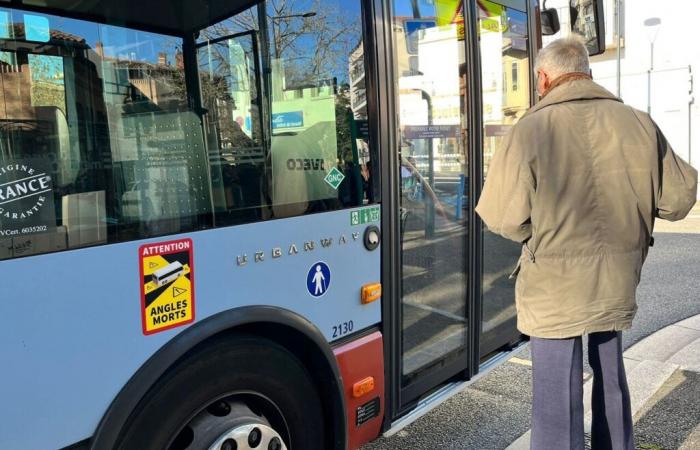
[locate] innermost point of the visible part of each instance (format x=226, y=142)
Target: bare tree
x=314, y=37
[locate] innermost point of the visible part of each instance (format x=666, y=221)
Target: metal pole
x=430, y=206
x=619, y=28
x=416, y=9
x=651, y=67
x=690, y=114
x=274, y=37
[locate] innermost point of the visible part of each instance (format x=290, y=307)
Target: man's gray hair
x=563, y=56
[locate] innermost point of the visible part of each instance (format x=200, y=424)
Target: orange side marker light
x=371, y=292
x=363, y=387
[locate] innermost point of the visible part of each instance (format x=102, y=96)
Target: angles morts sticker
x=167, y=285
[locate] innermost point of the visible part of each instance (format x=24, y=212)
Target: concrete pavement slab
x=691, y=224
x=522, y=443
x=693, y=440
x=645, y=379
x=692, y=322
x=663, y=344
x=688, y=358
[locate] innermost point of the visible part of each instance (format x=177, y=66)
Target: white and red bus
x=249, y=224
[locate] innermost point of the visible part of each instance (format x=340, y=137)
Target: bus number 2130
x=342, y=329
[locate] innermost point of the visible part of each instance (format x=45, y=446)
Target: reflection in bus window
x=504, y=53
x=97, y=143
x=431, y=68
x=303, y=146
x=505, y=69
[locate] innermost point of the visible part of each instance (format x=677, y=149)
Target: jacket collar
x=581, y=89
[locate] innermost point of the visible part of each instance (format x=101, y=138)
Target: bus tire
x=225, y=390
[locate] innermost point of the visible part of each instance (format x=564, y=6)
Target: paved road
x=495, y=411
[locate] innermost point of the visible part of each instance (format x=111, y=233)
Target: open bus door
x=458, y=66
x=462, y=77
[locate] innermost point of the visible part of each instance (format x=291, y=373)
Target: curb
x=649, y=364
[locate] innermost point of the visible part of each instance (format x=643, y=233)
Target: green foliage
x=650, y=447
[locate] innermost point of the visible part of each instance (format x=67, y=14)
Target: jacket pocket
x=524, y=253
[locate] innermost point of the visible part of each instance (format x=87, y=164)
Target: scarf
x=565, y=79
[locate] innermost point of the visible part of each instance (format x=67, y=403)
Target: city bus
x=250, y=224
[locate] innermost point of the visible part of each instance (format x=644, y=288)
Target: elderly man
x=579, y=182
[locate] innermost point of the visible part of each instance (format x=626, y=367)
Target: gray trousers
x=557, y=394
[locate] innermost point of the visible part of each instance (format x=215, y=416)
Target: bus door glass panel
x=430, y=66
x=229, y=78
x=505, y=77
x=288, y=80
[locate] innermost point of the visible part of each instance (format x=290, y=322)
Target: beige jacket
x=578, y=182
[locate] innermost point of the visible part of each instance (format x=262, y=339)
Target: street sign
x=291, y=119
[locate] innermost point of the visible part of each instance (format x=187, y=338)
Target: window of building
x=514, y=76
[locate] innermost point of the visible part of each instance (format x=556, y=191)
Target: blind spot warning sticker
x=167, y=285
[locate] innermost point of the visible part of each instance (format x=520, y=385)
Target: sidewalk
x=691, y=224
x=663, y=372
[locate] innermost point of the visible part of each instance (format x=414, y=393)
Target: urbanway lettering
x=308, y=246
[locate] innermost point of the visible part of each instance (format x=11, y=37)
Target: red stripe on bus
x=358, y=361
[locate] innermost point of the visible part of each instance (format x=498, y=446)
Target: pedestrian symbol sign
x=334, y=178
x=167, y=285
x=318, y=280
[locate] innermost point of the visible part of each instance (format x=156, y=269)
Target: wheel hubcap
x=228, y=424
x=249, y=437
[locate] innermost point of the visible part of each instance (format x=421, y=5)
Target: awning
x=175, y=17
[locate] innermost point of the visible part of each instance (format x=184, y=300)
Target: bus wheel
x=236, y=393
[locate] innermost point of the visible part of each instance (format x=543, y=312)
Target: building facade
x=658, y=61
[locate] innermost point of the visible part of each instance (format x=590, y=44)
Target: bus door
x=506, y=94
x=455, y=302
x=433, y=210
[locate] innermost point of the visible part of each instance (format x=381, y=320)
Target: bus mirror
x=550, y=22
x=586, y=18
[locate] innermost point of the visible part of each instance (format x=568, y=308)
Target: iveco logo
x=306, y=164
x=292, y=250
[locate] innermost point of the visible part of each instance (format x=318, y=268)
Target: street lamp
x=652, y=25
x=274, y=20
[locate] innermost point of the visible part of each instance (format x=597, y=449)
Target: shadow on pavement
x=671, y=419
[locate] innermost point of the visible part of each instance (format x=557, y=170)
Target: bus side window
x=301, y=145
x=97, y=141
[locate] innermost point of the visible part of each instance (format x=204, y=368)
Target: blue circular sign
x=318, y=280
